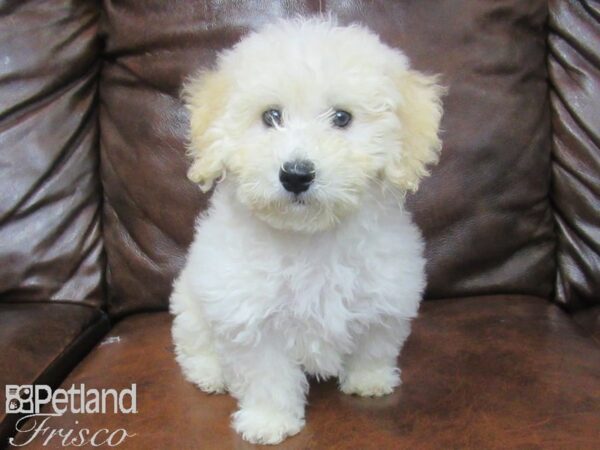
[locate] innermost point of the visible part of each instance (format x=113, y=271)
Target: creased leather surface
x=485, y=210
x=478, y=373
x=574, y=67
x=40, y=342
x=50, y=238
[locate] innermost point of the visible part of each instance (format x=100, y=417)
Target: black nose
x=296, y=176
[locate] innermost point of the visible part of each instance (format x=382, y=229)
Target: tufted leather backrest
x=485, y=211
x=50, y=236
x=512, y=207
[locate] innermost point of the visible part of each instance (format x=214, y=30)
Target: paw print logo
x=19, y=399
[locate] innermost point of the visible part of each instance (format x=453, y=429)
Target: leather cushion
x=485, y=210
x=50, y=237
x=589, y=319
x=483, y=372
x=40, y=343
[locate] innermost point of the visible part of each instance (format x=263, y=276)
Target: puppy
x=306, y=262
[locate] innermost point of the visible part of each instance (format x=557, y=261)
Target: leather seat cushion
x=589, y=319
x=481, y=372
x=41, y=342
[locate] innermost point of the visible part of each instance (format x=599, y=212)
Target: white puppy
x=306, y=262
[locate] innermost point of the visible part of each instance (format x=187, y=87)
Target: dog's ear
x=419, y=111
x=205, y=97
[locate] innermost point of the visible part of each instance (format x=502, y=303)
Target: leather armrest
x=40, y=342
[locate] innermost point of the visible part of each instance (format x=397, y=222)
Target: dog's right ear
x=205, y=97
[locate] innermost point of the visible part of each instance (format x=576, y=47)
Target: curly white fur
x=273, y=287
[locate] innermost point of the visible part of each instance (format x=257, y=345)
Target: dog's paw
x=263, y=426
x=371, y=382
x=203, y=371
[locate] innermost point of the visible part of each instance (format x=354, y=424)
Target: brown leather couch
x=96, y=215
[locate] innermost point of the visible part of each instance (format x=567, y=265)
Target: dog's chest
x=319, y=320
x=321, y=307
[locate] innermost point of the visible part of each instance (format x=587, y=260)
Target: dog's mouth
x=299, y=200
x=305, y=212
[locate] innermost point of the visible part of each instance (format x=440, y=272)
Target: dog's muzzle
x=297, y=176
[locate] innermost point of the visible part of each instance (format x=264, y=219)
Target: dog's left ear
x=419, y=111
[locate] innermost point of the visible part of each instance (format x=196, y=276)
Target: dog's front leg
x=271, y=389
x=371, y=370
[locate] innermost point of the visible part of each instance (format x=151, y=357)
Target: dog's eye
x=271, y=117
x=341, y=118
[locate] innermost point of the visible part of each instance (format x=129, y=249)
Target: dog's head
x=304, y=116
